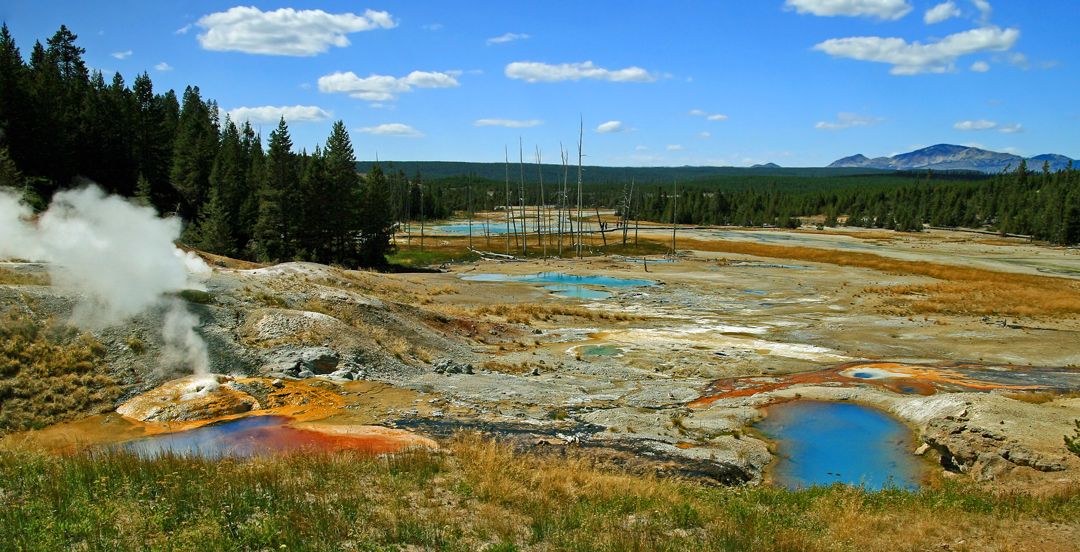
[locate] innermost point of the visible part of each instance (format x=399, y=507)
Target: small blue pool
x=820, y=443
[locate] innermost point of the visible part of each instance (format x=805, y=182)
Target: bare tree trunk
x=507, y=210
x=600, y=223
x=540, y=204
x=674, y=217
x=581, y=136
x=468, y=206
x=421, y=219
x=521, y=199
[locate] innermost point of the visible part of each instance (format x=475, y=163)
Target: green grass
x=481, y=495
x=415, y=258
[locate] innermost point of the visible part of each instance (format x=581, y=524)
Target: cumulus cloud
x=379, y=88
x=614, y=126
x=183, y=30
x=270, y=114
x=163, y=67
x=980, y=66
x=432, y=26
x=883, y=9
x=285, y=32
x=508, y=37
x=646, y=148
x=392, y=129
x=530, y=71
x=121, y=55
x=941, y=12
x=675, y=147
x=704, y=135
x=508, y=123
x=981, y=124
x=1015, y=128
x=914, y=58
x=847, y=120
x=709, y=116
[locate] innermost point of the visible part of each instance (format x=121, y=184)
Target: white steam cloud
x=120, y=255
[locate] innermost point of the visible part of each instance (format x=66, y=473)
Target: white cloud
x=704, y=135
x=285, y=32
x=974, y=145
x=183, y=30
x=986, y=9
x=1012, y=150
x=508, y=123
x=941, y=12
x=1019, y=60
x=270, y=114
x=614, y=126
x=530, y=71
x=981, y=124
x=121, y=55
x=432, y=27
x=508, y=37
x=163, y=67
x=980, y=66
x=915, y=58
x=847, y=120
x=378, y=88
x=305, y=85
x=392, y=129
x=675, y=147
x=884, y=9
x=709, y=116
x=646, y=148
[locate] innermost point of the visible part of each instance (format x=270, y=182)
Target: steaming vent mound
x=194, y=398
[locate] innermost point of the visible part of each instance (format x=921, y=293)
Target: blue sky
x=721, y=82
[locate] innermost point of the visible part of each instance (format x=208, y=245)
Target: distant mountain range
x=949, y=157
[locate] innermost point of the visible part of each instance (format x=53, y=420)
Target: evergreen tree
x=194, y=150
x=377, y=228
x=16, y=117
x=343, y=200
x=275, y=227
x=213, y=233
x=10, y=177
x=314, y=207
x=228, y=177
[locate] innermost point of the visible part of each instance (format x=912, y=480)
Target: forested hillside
x=63, y=125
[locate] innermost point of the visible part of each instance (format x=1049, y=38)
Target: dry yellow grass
x=1041, y=397
x=48, y=375
x=524, y=313
x=962, y=290
x=11, y=277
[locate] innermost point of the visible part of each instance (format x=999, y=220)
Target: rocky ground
x=629, y=377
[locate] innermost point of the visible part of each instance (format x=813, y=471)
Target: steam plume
x=120, y=255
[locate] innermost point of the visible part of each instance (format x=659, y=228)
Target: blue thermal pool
x=559, y=278
x=600, y=350
x=820, y=443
